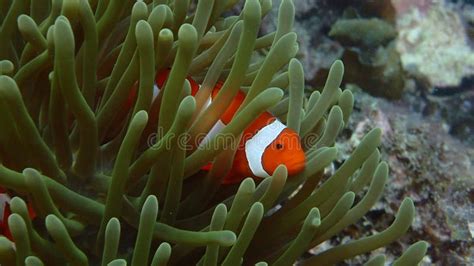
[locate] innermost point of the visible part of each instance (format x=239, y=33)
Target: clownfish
x=5, y=212
x=266, y=143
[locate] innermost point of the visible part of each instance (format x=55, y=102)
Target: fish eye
x=279, y=146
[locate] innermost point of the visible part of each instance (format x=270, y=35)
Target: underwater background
x=410, y=65
x=92, y=175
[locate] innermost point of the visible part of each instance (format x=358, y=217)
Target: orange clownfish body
x=266, y=143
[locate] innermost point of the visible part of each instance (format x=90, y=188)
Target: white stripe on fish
x=255, y=147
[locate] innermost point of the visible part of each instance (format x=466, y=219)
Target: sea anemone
x=95, y=172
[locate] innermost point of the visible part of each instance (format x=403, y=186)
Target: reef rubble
x=427, y=164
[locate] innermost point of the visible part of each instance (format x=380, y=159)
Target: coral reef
x=427, y=164
x=113, y=185
x=362, y=32
x=313, y=20
x=434, y=45
x=351, y=31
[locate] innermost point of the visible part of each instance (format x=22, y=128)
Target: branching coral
x=71, y=149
